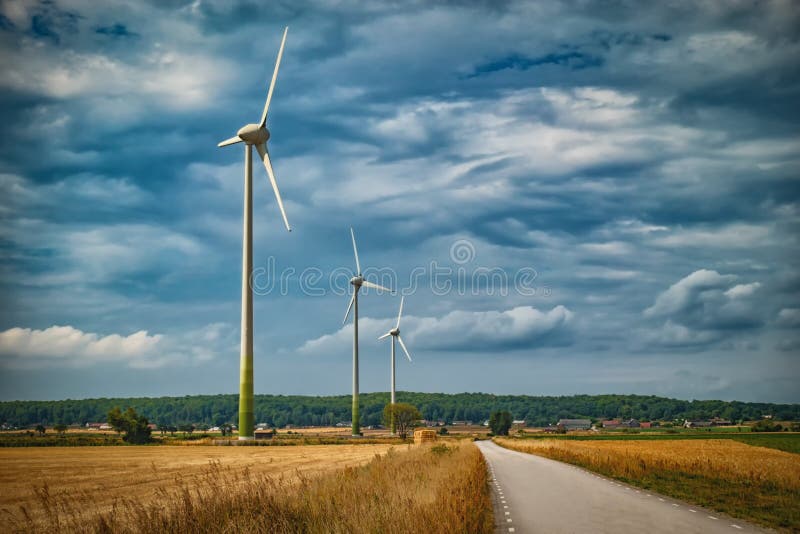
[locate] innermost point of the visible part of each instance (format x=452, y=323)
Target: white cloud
x=789, y=317
x=739, y=235
x=520, y=327
x=683, y=293
x=742, y=290
x=704, y=307
x=68, y=346
x=676, y=335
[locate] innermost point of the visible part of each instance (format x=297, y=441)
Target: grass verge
x=440, y=488
x=753, y=483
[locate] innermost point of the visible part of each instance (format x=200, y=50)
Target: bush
x=765, y=425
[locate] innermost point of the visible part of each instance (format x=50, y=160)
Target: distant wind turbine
x=252, y=134
x=357, y=281
x=395, y=333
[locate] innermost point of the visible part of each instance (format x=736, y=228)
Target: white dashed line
x=693, y=511
x=737, y=526
x=511, y=529
x=712, y=517
x=647, y=495
x=660, y=499
x=505, y=506
x=508, y=513
x=673, y=504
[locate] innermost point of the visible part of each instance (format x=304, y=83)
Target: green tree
x=60, y=428
x=116, y=419
x=404, y=416
x=40, y=429
x=500, y=423
x=134, y=426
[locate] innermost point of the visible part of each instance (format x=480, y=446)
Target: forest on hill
x=280, y=410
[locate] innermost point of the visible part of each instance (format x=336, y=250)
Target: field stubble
x=436, y=488
x=744, y=481
x=103, y=475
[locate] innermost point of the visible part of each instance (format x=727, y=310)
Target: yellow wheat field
x=436, y=489
x=106, y=474
x=724, y=458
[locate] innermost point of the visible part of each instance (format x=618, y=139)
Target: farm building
x=612, y=423
x=697, y=424
x=574, y=424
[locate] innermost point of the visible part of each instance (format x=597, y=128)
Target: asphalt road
x=539, y=495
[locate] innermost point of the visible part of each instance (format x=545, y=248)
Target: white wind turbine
x=252, y=134
x=395, y=333
x=357, y=281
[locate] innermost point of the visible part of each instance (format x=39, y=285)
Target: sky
x=573, y=197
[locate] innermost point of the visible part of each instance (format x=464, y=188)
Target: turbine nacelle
x=257, y=135
x=253, y=134
x=357, y=281
x=395, y=331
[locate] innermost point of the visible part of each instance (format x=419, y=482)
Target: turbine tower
x=252, y=134
x=395, y=333
x=357, y=282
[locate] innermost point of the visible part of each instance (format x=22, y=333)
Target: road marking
x=737, y=526
x=673, y=504
x=508, y=519
x=660, y=499
x=505, y=506
x=693, y=511
x=508, y=513
x=647, y=495
x=712, y=517
x=511, y=529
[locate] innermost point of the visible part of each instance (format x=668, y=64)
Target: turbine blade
x=375, y=286
x=274, y=77
x=355, y=251
x=231, y=141
x=349, y=307
x=400, y=339
x=264, y=153
x=400, y=313
x=387, y=334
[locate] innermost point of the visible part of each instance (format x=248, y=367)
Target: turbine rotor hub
x=395, y=331
x=253, y=134
x=357, y=281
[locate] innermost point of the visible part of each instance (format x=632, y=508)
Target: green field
x=784, y=441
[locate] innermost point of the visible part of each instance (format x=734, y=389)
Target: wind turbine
x=252, y=134
x=357, y=281
x=395, y=333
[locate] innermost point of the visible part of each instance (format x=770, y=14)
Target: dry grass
x=106, y=474
x=426, y=489
x=744, y=481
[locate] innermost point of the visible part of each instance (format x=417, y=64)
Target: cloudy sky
x=573, y=198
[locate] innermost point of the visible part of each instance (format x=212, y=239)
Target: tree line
x=280, y=410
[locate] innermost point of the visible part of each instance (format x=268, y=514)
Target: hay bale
x=424, y=436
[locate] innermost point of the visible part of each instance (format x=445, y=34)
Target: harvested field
x=105, y=474
x=438, y=489
x=754, y=483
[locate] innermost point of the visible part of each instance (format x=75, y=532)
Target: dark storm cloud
x=615, y=149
